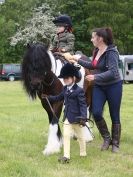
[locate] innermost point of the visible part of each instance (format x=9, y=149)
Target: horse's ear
x=28, y=46
x=47, y=45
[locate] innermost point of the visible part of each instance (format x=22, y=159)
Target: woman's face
x=95, y=39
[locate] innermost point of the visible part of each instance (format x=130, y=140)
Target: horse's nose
x=35, y=86
x=39, y=86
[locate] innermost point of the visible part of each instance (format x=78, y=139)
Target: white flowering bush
x=39, y=28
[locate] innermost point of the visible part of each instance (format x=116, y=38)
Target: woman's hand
x=67, y=56
x=90, y=77
x=70, y=58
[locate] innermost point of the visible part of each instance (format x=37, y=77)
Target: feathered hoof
x=49, y=151
x=54, y=142
x=87, y=135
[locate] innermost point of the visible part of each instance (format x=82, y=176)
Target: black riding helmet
x=69, y=70
x=63, y=20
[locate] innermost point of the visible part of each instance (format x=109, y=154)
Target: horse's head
x=35, y=67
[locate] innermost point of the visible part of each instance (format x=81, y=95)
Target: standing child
x=75, y=108
x=64, y=39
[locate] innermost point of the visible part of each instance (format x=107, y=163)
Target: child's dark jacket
x=74, y=101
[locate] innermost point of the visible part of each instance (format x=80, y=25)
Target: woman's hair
x=105, y=33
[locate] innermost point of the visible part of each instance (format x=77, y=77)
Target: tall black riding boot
x=103, y=129
x=116, y=133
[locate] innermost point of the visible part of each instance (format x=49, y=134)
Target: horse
x=39, y=75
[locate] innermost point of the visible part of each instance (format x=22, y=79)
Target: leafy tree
x=39, y=28
x=89, y=14
x=86, y=15
x=13, y=15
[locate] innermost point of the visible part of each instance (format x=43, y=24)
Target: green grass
x=23, y=134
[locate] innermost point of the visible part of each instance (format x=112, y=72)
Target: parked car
x=10, y=72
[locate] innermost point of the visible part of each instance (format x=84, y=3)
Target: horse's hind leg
x=54, y=136
x=88, y=94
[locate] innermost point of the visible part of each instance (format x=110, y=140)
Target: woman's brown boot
x=116, y=133
x=103, y=129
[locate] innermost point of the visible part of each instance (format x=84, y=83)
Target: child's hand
x=82, y=122
x=44, y=96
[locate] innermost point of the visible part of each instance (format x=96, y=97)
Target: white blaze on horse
x=39, y=72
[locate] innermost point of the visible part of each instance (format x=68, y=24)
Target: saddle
x=58, y=56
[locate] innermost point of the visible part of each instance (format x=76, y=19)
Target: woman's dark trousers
x=112, y=94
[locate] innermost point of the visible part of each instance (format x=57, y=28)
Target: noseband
x=48, y=84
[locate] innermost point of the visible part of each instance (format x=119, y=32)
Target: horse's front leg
x=54, y=143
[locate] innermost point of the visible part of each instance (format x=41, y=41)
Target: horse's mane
x=36, y=63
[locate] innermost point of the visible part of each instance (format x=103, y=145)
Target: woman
x=107, y=84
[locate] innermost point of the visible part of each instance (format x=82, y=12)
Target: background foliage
x=18, y=15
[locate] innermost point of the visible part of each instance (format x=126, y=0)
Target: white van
x=126, y=68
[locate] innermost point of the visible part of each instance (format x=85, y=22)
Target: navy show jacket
x=74, y=101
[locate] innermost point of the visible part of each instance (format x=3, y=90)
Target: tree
x=89, y=14
x=13, y=14
x=86, y=15
x=39, y=28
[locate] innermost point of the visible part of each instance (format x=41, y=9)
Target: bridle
x=48, y=84
x=43, y=83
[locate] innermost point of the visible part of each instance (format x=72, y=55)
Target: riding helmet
x=63, y=20
x=69, y=70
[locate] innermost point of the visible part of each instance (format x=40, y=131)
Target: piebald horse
x=39, y=74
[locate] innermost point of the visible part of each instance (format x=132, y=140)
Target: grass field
x=23, y=134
